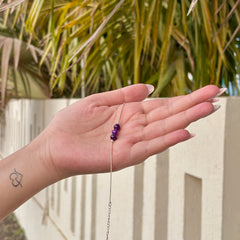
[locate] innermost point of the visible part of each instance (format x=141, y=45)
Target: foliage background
x=69, y=48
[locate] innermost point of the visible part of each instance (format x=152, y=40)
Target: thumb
x=133, y=93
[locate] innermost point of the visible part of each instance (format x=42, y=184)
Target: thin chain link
x=110, y=183
x=110, y=195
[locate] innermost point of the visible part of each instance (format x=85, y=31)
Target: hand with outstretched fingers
x=77, y=141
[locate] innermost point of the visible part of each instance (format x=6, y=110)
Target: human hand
x=77, y=141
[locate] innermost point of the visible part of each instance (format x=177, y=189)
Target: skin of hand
x=77, y=141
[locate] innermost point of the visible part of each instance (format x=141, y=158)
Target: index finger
x=178, y=104
x=132, y=93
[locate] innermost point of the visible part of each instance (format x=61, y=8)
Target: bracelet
x=113, y=138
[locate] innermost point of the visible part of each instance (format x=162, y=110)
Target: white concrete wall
x=189, y=192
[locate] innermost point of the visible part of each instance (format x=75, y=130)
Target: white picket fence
x=189, y=192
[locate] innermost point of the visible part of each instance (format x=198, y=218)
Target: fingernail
x=150, y=88
x=221, y=91
x=216, y=107
x=213, y=100
x=192, y=135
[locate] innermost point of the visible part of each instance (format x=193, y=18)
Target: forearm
x=23, y=174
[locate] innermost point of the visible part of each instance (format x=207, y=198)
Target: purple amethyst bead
x=115, y=132
x=117, y=126
x=113, y=137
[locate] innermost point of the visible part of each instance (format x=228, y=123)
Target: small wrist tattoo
x=16, y=178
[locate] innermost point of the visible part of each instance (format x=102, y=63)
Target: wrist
x=38, y=149
x=22, y=175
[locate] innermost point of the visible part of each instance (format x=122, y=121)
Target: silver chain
x=110, y=183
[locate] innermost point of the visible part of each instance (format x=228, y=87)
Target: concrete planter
x=189, y=192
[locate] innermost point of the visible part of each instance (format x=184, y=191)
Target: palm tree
x=107, y=44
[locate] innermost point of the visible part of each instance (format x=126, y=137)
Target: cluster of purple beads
x=115, y=130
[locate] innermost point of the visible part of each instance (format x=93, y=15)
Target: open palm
x=79, y=136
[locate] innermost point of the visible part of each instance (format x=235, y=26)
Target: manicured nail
x=213, y=100
x=150, y=88
x=216, y=107
x=221, y=91
x=192, y=135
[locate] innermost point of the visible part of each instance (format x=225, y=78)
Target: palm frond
x=10, y=5
x=20, y=74
x=106, y=44
x=193, y=3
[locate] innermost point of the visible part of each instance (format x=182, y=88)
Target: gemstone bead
x=117, y=126
x=113, y=137
x=115, y=132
